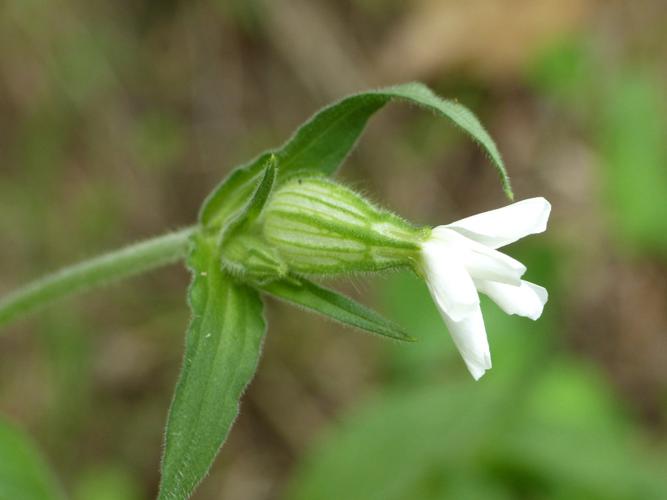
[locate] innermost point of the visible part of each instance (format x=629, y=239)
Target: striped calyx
x=321, y=227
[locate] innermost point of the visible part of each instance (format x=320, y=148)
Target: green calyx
x=320, y=227
x=311, y=225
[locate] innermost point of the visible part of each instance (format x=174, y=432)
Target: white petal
x=526, y=300
x=482, y=262
x=469, y=335
x=451, y=286
x=506, y=225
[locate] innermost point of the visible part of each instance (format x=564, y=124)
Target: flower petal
x=451, y=286
x=482, y=262
x=469, y=335
x=494, y=266
x=526, y=300
x=506, y=225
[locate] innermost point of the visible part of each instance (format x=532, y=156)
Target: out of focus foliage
x=116, y=118
x=624, y=110
x=546, y=427
x=23, y=472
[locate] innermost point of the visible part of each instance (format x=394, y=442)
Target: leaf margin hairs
x=198, y=425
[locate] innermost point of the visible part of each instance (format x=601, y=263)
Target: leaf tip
x=507, y=188
x=399, y=335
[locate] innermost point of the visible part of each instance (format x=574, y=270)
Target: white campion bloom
x=460, y=259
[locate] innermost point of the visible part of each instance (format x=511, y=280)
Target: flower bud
x=321, y=227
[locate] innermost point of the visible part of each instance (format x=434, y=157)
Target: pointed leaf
x=336, y=306
x=253, y=208
x=23, y=473
x=222, y=350
x=232, y=193
x=321, y=144
x=263, y=191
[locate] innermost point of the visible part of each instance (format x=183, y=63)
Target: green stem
x=107, y=268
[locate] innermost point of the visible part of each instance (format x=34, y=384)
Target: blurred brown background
x=117, y=118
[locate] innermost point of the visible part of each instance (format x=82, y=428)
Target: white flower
x=459, y=260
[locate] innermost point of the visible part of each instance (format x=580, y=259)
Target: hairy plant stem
x=107, y=268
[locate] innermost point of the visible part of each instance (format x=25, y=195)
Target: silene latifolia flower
x=317, y=227
x=460, y=259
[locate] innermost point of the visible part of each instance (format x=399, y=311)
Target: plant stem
x=102, y=270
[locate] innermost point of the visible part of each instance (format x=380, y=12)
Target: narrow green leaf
x=263, y=191
x=336, y=306
x=321, y=144
x=24, y=475
x=253, y=208
x=222, y=350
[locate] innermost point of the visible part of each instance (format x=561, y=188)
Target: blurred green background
x=117, y=118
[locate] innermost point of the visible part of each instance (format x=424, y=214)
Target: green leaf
x=336, y=306
x=255, y=204
x=24, y=475
x=262, y=192
x=232, y=193
x=321, y=144
x=222, y=350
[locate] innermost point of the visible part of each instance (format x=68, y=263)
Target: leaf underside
x=222, y=350
x=336, y=306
